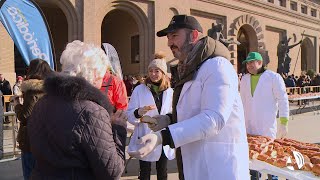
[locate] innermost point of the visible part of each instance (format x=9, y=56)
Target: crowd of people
x=73, y=123
x=302, y=81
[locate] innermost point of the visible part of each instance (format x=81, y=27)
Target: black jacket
x=71, y=135
x=5, y=87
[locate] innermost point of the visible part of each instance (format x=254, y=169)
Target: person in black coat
x=289, y=81
x=5, y=88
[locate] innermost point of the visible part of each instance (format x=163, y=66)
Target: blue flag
x=28, y=28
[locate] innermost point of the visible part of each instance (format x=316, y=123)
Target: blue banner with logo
x=28, y=28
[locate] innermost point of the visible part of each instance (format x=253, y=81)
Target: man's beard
x=183, y=52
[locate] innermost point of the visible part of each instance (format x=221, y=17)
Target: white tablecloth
x=264, y=167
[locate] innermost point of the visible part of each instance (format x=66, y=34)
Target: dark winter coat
x=289, y=82
x=5, y=87
x=71, y=135
x=32, y=90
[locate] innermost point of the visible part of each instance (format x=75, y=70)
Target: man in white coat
x=207, y=121
x=263, y=93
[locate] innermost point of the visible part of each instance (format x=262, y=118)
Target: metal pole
x=1, y=126
x=298, y=52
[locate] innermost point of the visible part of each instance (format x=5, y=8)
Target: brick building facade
x=130, y=25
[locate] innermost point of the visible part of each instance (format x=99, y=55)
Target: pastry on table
x=316, y=169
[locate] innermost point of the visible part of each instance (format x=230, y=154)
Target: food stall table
x=264, y=167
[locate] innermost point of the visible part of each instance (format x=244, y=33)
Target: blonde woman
x=154, y=97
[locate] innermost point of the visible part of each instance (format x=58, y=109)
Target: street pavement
x=304, y=127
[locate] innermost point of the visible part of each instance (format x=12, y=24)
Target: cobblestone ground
x=304, y=127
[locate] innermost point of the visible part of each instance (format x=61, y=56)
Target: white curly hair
x=85, y=60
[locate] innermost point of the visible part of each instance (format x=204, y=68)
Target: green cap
x=253, y=56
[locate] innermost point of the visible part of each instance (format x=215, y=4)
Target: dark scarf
x=206, y=48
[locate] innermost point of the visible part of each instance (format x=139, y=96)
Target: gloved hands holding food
x=148, y=143
x=156, y=123
x=143, y=110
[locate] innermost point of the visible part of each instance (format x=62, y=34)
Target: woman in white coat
x=152, y=98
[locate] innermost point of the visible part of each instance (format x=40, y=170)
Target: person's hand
x=158, y=122
x=119, y=118
x=283, y=131
x=143, y=110
x=149, y=142
x=148, y=119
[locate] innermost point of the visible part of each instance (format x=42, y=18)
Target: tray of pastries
x=284, y=157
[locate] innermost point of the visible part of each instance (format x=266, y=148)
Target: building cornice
x=270, y=7
x=309, y=3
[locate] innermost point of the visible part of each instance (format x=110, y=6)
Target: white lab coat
x=261, y=109
x=211, y=127
x=142, y=96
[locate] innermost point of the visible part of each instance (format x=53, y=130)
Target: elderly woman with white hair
x=73, y=131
